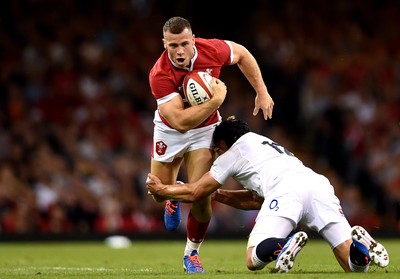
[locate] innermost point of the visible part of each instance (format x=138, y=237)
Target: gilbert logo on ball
x=196, y=87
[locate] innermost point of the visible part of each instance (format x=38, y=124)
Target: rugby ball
x=118, y=242
x=197, y=88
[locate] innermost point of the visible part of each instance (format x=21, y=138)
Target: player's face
x=180, y=47
x=220, y=148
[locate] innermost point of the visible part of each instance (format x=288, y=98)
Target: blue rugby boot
x=192, y=264
x=172, y=213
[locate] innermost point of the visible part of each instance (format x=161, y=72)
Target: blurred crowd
x=76, y=109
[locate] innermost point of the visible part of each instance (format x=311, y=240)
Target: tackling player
x=183, y=133
x=286, y=192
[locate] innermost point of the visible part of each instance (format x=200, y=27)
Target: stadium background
x=76, y=110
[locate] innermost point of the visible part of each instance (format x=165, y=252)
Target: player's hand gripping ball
x=196, y=87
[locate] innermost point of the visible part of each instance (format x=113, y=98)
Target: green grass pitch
x=163, y=259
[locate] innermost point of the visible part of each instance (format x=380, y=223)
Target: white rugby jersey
x=257, y=163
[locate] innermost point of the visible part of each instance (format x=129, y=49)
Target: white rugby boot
x=286, y=257
x=378, y=254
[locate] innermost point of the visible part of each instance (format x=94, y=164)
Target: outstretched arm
x=206, y=185
x=188, y=192
x=251, y=70
x=240, y=199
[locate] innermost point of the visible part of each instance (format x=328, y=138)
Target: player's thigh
x=199, y=156
x=197, y=163
x=336, y=233
x=167, y=172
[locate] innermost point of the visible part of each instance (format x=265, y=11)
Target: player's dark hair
x=230, y=130
x=176, y=25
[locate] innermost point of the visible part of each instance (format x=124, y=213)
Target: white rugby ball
x=118, y=242
x=197, y=88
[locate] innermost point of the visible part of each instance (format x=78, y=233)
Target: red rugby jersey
x=210, y=56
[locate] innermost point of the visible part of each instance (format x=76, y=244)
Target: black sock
x=269, y=249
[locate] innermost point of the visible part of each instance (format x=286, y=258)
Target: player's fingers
x=255, y=111
x=266, y=114
x=270, y=109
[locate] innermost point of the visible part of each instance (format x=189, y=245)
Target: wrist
x=214, y=194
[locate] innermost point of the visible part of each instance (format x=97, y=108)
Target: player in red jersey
x=183, y=132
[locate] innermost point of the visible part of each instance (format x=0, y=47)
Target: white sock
x=190, y=246
x=257, y=263
x=357, y=268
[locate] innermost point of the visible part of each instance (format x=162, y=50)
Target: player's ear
x=223, y=146
x=164, y=43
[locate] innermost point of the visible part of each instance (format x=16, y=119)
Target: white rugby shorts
x=305, y=198
x=169, y=144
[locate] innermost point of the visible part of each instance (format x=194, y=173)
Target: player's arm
x=240, y=199
x=183, y=119
x=249, y=67
x=188, y=192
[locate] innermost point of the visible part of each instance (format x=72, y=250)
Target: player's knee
x=202, y=212
x=251, y=267
x=249, y=263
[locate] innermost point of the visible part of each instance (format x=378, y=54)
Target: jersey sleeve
x=162, y=91
x=162, y=80
x=224, y=51
x=224, y=166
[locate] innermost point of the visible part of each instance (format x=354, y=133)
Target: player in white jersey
x=286, y=192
